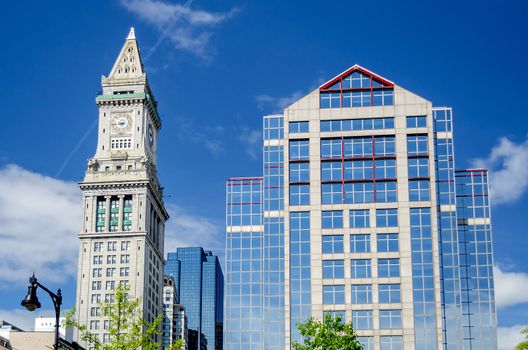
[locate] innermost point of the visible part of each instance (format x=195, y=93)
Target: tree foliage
x=524, y=344
x=329, y=334
x=127, y=328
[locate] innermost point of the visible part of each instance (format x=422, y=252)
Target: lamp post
x=31, y=303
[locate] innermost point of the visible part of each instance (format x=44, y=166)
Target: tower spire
x=131, y=34
x=128, y=66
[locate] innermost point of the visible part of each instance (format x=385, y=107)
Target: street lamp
x=31, y=303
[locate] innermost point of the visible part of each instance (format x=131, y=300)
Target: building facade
x=123, y=225
x=174, y=324
x=199, y=279
x=363, y=216
x=47, y=324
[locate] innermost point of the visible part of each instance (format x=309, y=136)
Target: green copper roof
x=140, y=95
x=119, y=97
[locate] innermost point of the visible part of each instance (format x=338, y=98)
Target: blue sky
x=215, y=69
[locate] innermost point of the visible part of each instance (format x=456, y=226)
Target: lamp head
x=31, y=302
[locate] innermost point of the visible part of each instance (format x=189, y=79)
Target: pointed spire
x=128, y=66
x=131, y=34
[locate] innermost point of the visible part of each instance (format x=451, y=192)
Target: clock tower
x=123, y=224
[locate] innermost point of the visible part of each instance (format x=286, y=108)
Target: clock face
x=121, y=121
x=150, y=135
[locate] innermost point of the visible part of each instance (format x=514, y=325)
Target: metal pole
x=57, y=301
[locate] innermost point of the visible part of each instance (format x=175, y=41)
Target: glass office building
x=362, y=215
x=199, y=280
x=243, y=285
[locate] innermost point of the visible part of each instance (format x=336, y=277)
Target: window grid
x=101, y=214
x=333, y=244
x=389, y=293
x=423, y=278
x=362, y=319
x=127, y=214
x=300, y=194
x=419, y=190
x=273, y=242
x=386, y=217
x=387, y=242
x=418, y=168
x=298, y=127
x=360, y=268
x=299, y=150
x=392, y=342
x=273, y=128
x=358, y=180
x=114, y=214
x=332, y=219
x=367, y=342
x=417, y=145
x=390, y=319
x=333, y=268
x=300, y=172
x=359, y=218
x=300, y=295
x=244, y=202
x=333, y=295
x=361, y=294
x=357, y=124
x=360, y=243
x=389, y=267
x=419, y=121
x=121, y=143
x=357, y=90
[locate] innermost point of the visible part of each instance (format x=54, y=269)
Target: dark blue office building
x=200, y=282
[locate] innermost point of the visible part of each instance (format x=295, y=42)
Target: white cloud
x=39, y=222
x=186, y=229
x=508, y=166
x=40, y=218
x=24, y=319
x=509, y=337
x=510, y=287
x=252, y=140
x=277, y=104
x=188, y=29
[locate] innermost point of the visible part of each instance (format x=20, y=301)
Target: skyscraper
x=199, y=279
x=122, y=231
x=363, y=216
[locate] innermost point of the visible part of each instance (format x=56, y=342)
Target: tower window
x=101, y=214
x=121, y=143
x=127, y=214
x=114, y=214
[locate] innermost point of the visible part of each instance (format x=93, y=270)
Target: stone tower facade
x=122, y=231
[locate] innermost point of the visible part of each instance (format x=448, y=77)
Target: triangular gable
x=356, y=77
x=128, y=64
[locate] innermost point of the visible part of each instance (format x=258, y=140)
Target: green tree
x=329, y=334
x=524, y=344
x=127, y=329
